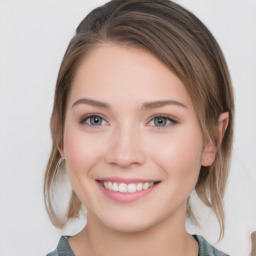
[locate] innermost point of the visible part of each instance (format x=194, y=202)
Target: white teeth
x=131, y=188
x=110, y=185
x=139, y=187
x=115, y=187
x=106, y=185
x=126, y=188
x=122, y=188
x=145, y=186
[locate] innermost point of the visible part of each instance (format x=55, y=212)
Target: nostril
x=125, y=160
x=125, y=150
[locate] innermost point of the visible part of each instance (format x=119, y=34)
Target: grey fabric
x=205, y=249
x=63, y=248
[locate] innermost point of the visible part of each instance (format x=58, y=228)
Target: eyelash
x=88, y=116
x=167, y=118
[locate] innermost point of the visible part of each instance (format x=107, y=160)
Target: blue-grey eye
x=160, y=121
x=94, y=120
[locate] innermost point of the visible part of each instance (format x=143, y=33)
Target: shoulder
x=205, y=249
x=63, y=248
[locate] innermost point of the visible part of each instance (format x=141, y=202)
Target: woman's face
x=131, y=127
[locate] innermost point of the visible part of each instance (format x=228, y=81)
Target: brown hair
x=182, y=43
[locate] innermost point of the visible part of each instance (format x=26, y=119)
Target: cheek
x=81, y=150
x=179, y=155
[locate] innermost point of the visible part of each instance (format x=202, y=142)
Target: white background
x=33, y=38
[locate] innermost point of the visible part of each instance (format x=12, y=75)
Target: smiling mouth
x=127, y=187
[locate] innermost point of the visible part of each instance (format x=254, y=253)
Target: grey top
x=205, y=249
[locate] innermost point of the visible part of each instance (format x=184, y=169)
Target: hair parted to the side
x=187, y=48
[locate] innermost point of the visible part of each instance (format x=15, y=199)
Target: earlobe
x=208, y=154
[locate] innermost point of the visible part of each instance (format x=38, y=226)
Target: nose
x=125, y=149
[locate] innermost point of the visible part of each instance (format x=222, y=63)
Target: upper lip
x=125, y=180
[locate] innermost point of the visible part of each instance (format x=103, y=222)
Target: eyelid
x=168, y=117
x=83, y=119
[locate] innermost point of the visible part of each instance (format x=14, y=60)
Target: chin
x=133, y=223
x=131, y=227
x=127, y=223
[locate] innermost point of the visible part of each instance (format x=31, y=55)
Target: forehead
x=126, y=74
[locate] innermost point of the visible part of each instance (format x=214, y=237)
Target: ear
x=222, y=126
x=210, y=148
x=61, y=150
x=208, y=154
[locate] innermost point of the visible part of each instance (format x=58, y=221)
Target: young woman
x=142, y=116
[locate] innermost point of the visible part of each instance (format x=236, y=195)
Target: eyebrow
x=146, y=105
x=94, y=103
x=162, y=103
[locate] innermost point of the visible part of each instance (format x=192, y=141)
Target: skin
x=128, y=143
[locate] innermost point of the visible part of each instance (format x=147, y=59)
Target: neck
x=168, y=237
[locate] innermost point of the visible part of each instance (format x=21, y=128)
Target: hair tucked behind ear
x=186, y=47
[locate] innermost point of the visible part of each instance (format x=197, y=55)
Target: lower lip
x=125, y=197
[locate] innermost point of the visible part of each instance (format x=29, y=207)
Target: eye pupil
x=160, y=121
x=95, y=120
